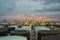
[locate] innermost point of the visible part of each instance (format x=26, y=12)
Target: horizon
x=33, y=17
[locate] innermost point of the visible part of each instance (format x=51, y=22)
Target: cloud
x=50, y=8
x=51, y=1
x=6, y=6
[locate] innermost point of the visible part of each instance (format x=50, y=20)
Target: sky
x=48, y=8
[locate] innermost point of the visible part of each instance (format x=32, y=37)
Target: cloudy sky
x=49, y=8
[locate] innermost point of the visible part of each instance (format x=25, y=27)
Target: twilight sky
x=49, y=8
